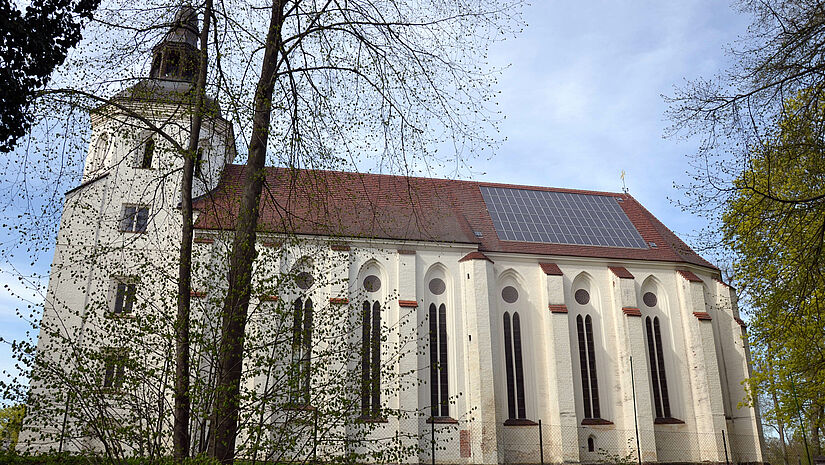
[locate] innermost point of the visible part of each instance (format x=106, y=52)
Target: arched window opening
x=587, y=362
x=656, y=360
x=439, y=390
x=514, y=368
x=371, y=360
x=301, y=375
x=156, y=61
x=172, y=63
x=101, y=147
x=148, y=153
x=591, y=444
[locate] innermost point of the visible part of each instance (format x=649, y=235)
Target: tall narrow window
x=371, y=360
x=587, y=362
x=439, y=390
x=515, y=367
x=114, y=368
x=148, y=153
x=301, y=352
x=658, y=376
x=125, y=296
x=135, y=218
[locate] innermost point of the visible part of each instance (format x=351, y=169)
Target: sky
x=582, y=96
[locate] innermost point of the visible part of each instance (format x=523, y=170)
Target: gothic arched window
x=301, y=375
x=439, y=391
x=371, y=359
x=587, y=360
x=657, y=367
x=515, y=367
x=101, y=148
x=148, y=153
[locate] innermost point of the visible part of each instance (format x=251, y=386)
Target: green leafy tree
x=759, y=176
x=31, y=46
x=11, y=419
x=774, y=222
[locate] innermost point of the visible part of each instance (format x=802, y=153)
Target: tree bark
x=181, y=435
x=243, y=252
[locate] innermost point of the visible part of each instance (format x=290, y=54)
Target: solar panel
x=560, y=218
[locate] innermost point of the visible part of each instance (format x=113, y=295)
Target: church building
x=515, y=324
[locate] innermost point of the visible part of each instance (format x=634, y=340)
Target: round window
x=582, y=297
x=304, y=280
x=437, y=286
x=509, y=294
x=650, y=299
x=372, y=283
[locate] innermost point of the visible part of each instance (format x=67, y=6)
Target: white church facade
x=495, y=306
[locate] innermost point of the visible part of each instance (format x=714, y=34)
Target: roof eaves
x=87, y=183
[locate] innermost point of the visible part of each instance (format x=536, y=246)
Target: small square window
x=125, y=297
x=114, y=368
x=135, y=218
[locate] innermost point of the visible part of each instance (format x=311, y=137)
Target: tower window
x=439, y=390
x=371, y=360
x=591, y=444
x=172, y=67
x=657, y=367
x=114, y=368
x=301, y=375
x=148, y=153
x=135, y=218
x=125, y=297
x=101, y=147
x=515, y=367
x=587, y=361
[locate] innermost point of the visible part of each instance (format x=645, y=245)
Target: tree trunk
x=816, y=426
x=181, y=438
x=243, y=253
x=780, y=426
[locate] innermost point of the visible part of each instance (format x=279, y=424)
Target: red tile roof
x=621, y=272
x=475, y=256
x=551, y=269
x=690, y=276
x=339, y=204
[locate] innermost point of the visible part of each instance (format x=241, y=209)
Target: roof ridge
x=467, y=181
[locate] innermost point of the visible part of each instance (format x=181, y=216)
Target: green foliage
x=68, y=459
x=11, y=419
x=31, y=46
x=775, y=223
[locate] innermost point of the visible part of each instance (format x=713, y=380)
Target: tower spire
x=176, y=56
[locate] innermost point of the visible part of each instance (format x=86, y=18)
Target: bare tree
x=335, y=72
x=182, y=361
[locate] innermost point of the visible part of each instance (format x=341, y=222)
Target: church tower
x=119, y=237
x=147, y=129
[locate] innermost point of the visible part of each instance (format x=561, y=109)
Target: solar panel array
x=560, y=218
